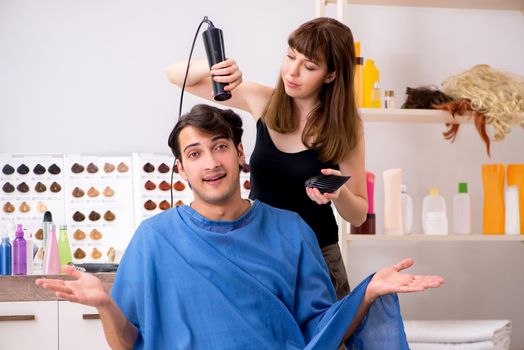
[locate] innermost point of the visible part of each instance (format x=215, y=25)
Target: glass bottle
x=389, y=99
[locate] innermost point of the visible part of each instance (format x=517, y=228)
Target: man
x=227, y=273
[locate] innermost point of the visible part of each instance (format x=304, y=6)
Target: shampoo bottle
x=434, y=216
x=368, y=227
x=371, y=76
x=19, y=252
x=392, y=202
x=51, y=256
x=515, y=177
x=462, y=221
x=63, y=246
x=511, y=203
x=493, y=214
x=407, y=209
x=5, y=256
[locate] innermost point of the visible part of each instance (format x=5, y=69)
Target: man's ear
x=241, y=155
x=181, y=170
x=330, y=77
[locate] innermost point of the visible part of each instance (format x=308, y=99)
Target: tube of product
x=493, y=215
x=392, y=202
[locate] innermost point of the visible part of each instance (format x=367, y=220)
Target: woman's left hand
x=315, y=195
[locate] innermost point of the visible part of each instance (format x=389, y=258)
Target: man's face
x=210, y=163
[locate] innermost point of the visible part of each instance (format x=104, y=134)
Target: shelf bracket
x=320, y=8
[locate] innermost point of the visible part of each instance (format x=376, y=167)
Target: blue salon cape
x=259, y=282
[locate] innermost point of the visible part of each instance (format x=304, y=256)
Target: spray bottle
x=19, y=252
x=5, y=256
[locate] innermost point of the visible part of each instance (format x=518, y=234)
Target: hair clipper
x=326, y=183
x=214, y=44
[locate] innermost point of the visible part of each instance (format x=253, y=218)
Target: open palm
x=390, y=280
x=84, y=289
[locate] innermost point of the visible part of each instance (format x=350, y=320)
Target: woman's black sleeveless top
x=277, y=179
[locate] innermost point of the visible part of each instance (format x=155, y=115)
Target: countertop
x=23, y=288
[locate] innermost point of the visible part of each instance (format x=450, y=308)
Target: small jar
x=389, y=99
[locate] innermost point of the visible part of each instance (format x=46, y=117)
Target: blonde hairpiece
x=496, y=94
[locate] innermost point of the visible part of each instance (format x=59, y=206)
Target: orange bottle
x=515, y=174
x=494, y=214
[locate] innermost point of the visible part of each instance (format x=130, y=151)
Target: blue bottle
x=5, y=256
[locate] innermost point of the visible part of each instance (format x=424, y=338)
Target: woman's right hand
x=227, y=72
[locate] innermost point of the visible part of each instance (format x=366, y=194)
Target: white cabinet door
x=28, y=325
x=79, y=327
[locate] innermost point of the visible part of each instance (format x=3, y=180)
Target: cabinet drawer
x=29, y=325
x=80, y=327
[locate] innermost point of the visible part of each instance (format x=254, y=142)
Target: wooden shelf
x=508, y=5
x=437, y=238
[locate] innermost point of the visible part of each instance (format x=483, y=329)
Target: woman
x=308, y=124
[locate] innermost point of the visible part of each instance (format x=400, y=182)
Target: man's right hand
x=84, y=289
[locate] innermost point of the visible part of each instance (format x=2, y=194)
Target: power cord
x=205, y=20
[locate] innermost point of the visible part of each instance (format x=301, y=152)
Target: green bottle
x=64, y=249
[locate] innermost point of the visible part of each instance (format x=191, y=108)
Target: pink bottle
x=368, y=227
x=52, y=257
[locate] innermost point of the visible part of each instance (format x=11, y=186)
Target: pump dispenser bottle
x=19, y=252
x=407, y=209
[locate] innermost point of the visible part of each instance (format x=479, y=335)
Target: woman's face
x=302, y=76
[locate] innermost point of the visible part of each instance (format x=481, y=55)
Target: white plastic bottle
x=462, y=210
x=392, y=204
x=512, y=212
x=434, y=216
x=407, y=209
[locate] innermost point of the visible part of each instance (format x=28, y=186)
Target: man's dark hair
x=212, y=120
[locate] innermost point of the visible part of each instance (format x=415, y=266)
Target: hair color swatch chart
x=102, y=199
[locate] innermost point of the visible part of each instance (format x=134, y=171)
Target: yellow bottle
x=357, y=48
x=371, y=81
x=493, y=221
x=359, y=82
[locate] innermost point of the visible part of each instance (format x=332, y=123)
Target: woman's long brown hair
x=334, y=127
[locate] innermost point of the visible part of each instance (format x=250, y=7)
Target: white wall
x=87, y=76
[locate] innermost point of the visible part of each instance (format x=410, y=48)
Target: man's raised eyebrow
x=213, y=139
x=191, y=145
